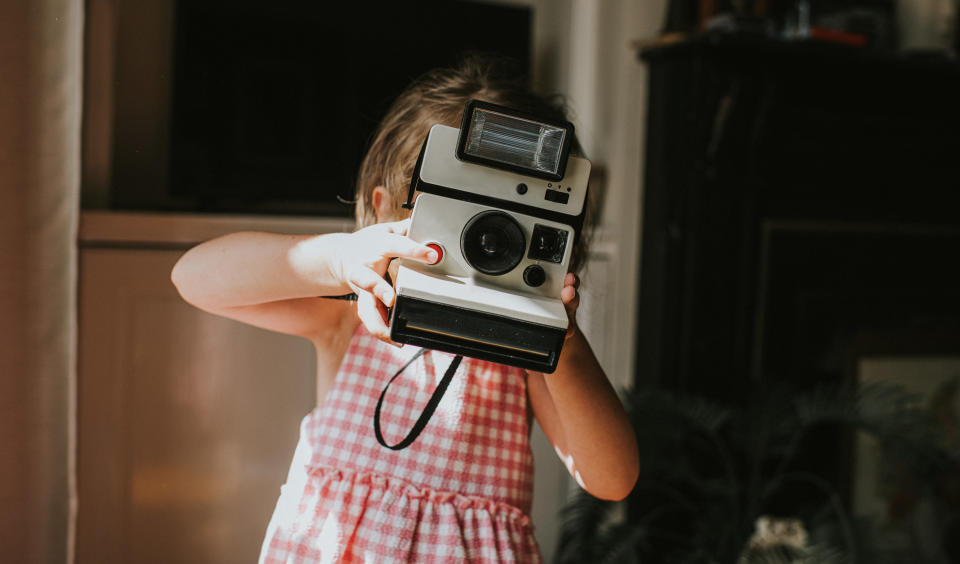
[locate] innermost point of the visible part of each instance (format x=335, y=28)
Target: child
x=462, y=491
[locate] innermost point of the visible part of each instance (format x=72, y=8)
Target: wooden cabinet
x=797, y=196
x=187, y=421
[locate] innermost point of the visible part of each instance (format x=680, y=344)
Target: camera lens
x=488, y=244
x=493, y=242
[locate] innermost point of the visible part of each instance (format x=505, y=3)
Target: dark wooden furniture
x=798, y=198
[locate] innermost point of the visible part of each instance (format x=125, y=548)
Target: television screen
x=274, y=102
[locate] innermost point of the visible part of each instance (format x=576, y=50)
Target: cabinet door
x=187, y=421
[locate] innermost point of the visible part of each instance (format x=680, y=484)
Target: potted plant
x=731, y=485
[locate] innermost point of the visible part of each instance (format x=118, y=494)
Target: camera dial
x=534, y=275
x=493, y=242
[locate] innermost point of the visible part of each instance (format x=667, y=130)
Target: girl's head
x=437, y=97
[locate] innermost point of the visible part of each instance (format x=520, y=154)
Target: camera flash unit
x=504, y=138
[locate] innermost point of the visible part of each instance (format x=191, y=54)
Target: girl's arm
x=582, y=416
x=274, y=281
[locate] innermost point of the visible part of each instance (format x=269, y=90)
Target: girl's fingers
x=398, y=227
x=571, y=301
x=366, y=280
x=402, y=246
x=373, y=316
x=571, y=307
x=569, y=295
x=392, y=268
x=384, y=317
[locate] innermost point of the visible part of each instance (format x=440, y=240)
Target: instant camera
x=502, y=203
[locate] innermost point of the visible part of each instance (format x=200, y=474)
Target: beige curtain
x=40, y=101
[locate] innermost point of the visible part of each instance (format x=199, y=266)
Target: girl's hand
x=362, y=262
x=571, y=300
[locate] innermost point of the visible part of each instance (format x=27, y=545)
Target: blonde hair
x=438, y=96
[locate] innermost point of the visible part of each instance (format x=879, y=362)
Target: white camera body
x=506, y=239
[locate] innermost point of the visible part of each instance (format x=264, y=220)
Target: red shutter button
x=439, y=251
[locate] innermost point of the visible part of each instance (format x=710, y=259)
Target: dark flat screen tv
x=274, y=102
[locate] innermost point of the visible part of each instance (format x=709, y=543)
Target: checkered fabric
x=460, y=493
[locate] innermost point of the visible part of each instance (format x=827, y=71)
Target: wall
x=40, y=70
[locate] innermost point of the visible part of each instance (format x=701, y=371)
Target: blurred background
x=773, y=283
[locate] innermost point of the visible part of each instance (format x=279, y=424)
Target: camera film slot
x=477, y=334
x=413, y=327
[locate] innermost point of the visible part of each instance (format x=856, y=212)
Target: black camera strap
x=427, y=411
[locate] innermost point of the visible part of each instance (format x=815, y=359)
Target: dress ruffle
x=498, y=510
x=360, y=511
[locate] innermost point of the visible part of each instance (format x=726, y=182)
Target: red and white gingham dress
x=460, y=493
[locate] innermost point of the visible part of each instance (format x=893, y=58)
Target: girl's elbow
x=176, y=274
x=611, y=493
x=631, y=480
x=185, y=283
x=624, y=486
x=180, y=281
x=617, y=486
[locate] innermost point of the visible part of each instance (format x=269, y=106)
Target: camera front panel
x=496, y=248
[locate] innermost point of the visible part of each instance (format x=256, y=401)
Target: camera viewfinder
x=547, y=244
